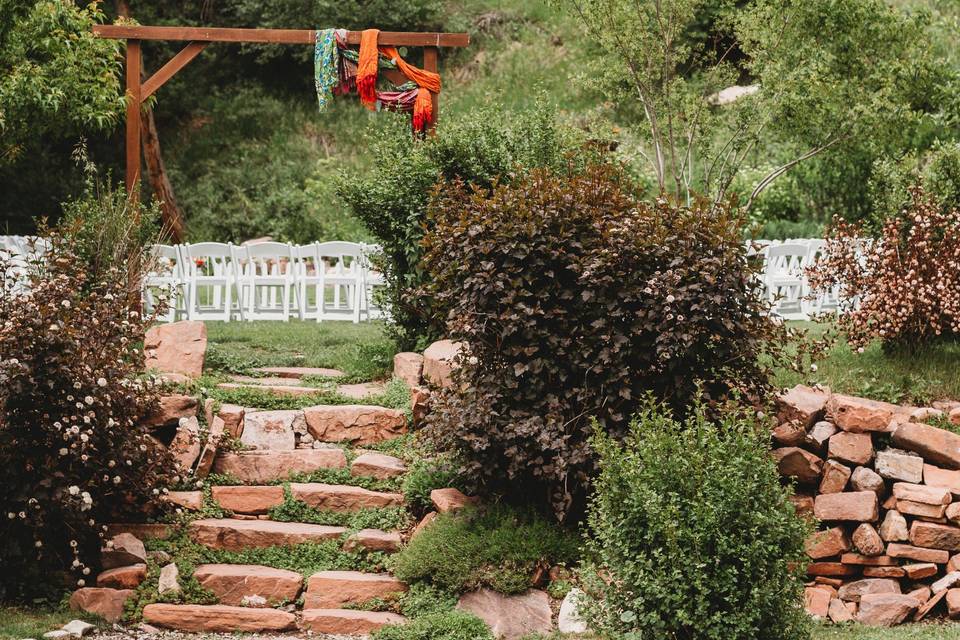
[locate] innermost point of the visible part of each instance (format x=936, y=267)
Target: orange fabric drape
x=428, y=81
x=367, y=68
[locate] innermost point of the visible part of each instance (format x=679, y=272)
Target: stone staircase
x=262, y=599
x=289, y=381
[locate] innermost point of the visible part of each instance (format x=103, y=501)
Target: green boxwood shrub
x=453, y=625
x=576, y=297
x=691, y=534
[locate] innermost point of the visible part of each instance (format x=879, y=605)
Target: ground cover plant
x=577, y=297
x=688, y=493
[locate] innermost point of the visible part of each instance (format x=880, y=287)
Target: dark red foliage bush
x=902, y=288
x=72, y=454
x=576, y=298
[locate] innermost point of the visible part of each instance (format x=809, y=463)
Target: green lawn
x=932, y=374
x=362, y=351
x=19, y=623
x=922, y=631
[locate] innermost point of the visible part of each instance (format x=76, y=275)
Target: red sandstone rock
x=106, y=603
x=920, y=570
x=803, y=404
x=374, y=540
x=859, y=415
x=839, y=612
x=177, y=347
x=794, y=462
x=883, y=572
x=935, y=445
x=171, y=409
x=816, y=602
x=419, y=404
x=192, y=500
x=450, y=500
x=359, y=424
x=140, y=531
x=872, y=561
x=928, y=606
x=334, y=589
x=825, y=544
x=894, y=527
x=867, y=540
x=922, y=493
x=935, y=536
x=343, y=497
x=853, y=591
x=423, y=524
x=377, y=465
x=886, y=609
x=816, y=439
x=853, y=448
x=347, y=621
x=895, y=464
x=209, y=451
x=802, y=504
x=124, y=549
x=859, y=506
x=271, y=430
x=234, y=535
x=408, y=367
x=937, y=477
x=248, y=499
x=789, y=434
x=128, y=577
x=936, y=556
x=439, y=361
x=866, y=479
x=836, y=569
x=231, y=583
x=267, y=466
x=510, y=617
x=953, y=603
x=835, y=477
x=185, y=446
x=218, y=618
x=911, y=508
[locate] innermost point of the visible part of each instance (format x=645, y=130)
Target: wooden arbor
x=199, y=37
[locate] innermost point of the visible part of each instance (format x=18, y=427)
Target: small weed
x=423, y=599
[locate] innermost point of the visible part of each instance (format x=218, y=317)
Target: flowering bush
x=902, y=288
x=72, y=454
x=575, y=298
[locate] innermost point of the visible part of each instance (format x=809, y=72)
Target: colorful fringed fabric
x=367, y=68
x=325, y=60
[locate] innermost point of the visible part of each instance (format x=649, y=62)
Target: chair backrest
x=265, y=258
x=786, y=259
x=344, y=256
x=209, y=259
x=167, y=261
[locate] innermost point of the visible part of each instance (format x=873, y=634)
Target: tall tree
x=830, y=74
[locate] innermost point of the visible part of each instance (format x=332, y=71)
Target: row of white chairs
x=264, y=281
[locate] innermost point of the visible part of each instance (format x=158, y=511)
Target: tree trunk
x=170, y=214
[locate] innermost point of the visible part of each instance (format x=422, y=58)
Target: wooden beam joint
x=168, y=70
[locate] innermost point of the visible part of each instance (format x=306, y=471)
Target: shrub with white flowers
x=902, y=288
x=71, y=400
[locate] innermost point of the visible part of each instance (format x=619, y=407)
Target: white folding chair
x=211, y=278
x=784, y=279
x=344, y=273
x=168, y=278
x=371, y=281
x=308, y=274
x=266, y=279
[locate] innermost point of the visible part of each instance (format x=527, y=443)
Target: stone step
x=299, y=372
x=335, y=589
x=267, y=381
x=232, y=583
x=277, y=390
x=233, y=534
x=257, y=500
x=347, y=621
x=267, y=466
x=359, y=424
x=218, y=618
x=377, y=465
x=285, y=387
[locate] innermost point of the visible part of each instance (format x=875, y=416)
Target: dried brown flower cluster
x=902, y=288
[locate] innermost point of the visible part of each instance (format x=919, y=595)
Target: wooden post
x=431, y=63
x=133, y=118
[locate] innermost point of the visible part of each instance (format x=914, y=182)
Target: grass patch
x=386, y=518
x=325, y=476
x=932, y=630
x=918, y=378
x=497, y=546
x=29, y=622
x=362, y=351
x=396, y=395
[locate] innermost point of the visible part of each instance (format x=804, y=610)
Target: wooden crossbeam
x=166, y=72
x=273, y=36
x=200, y=37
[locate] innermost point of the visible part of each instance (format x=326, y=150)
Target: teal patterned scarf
x=325, y=66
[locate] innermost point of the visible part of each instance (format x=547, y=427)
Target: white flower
x=813, y=368
x=88, y=399
x=101, y=382
x=81, y=582
x=86, y=571
x=74, y=490
x=12, y=515
x=38, y=544
x=63, y=451
x=670, y=298
x=116, y=479
x=65, y=304
x=84, y=437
